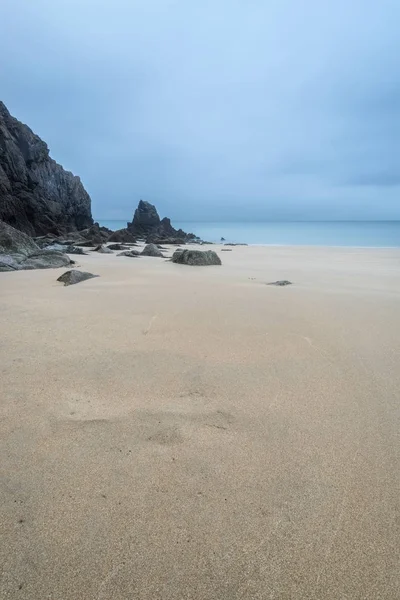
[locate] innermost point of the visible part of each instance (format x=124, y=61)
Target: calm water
x=345, y=233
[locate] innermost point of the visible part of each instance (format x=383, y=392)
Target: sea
x=363, y=234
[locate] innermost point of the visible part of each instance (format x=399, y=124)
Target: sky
x=222, y=110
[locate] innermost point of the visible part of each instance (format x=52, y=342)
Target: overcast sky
x=214, y=110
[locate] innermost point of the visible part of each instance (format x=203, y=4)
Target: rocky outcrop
x=18, y=251
x=196, y=258
x=95, y=234
x=13, y=241
x=45, y=259
x=145, y=219
x=37, y=195
x=123, y=235
x=40, y=260
x=147, y=224
x=74, y=276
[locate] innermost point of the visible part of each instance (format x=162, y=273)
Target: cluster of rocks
x=45, y=214
x=19, y=251
x=146, y=226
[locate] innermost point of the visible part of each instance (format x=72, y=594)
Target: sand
x=172, y=432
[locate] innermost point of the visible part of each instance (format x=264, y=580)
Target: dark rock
x=222, y=239
x=95, y=234
x=37, y=195
x=152, y=250
x=145, y=219
x=235, y=244
x=19, y=251
x=10, y=262
x=13, y=241
x=130, y=253
x=117, y=247
x=102, y=249
x=57, y=247
x=281, y=282
x=74, y=250
x=155, y=239
x=85, y=244
x=147, y=224
x=122, y=235
x=196, y=257
x=41, y=260
x=45, y=259
x=46, y=240
x=65, y=249
x=74, y=276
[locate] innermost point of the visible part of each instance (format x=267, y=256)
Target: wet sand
x=171, y=432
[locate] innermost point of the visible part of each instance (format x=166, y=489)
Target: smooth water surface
x=379, y=234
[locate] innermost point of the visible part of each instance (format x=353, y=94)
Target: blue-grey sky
x=215, y=109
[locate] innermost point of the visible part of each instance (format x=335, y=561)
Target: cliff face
x=37, y=195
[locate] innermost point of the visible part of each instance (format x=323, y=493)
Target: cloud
x=276, y=109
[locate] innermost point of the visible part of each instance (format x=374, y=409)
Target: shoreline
x=368, y=234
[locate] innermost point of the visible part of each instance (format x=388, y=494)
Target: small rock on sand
x=102, y=249
x=130, y=253
x=74, y=276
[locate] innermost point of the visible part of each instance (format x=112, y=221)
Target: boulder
x=102, y=249
x=45, y=259
x=130, y=253
x=11, y=262
x=281, y=282
x=74, y=250
x=117, y=247
x=75, y=276
x=122, y=235
x=19, y=251
x=152, y=250
x=65, y=249
x=37, y=195
x=196, y=257
x=13, y=241
x=85, y=244
x=95, y=234
x=42, y=259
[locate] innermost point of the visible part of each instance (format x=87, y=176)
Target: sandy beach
x=173, y=433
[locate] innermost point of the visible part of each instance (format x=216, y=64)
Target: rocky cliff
x=37, y=195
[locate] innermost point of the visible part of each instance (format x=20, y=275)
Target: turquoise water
x=375, y=234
